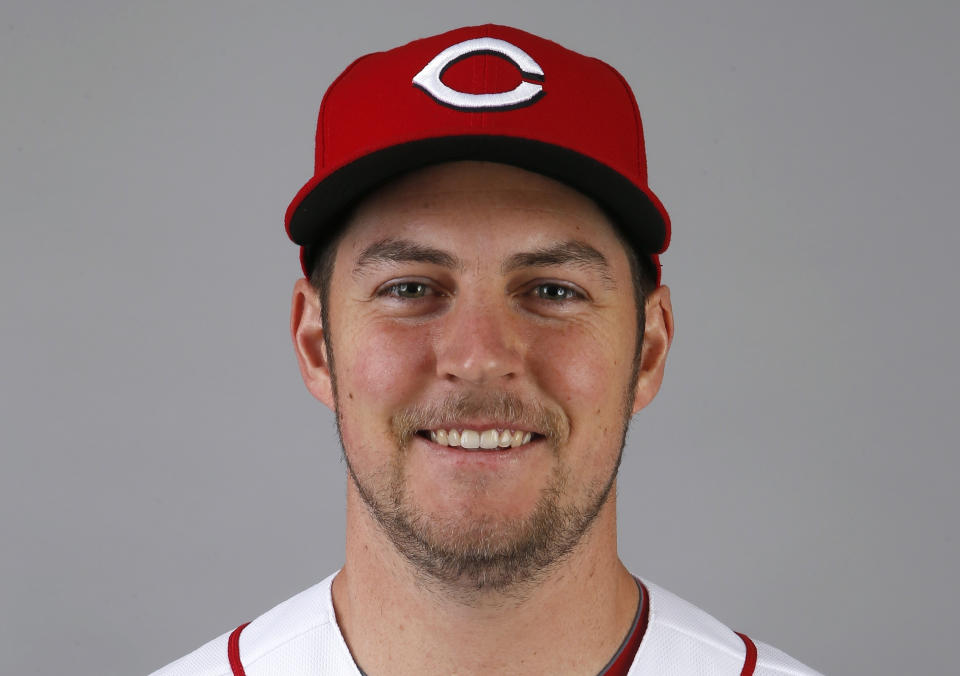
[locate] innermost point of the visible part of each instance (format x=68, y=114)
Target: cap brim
x=314, y=214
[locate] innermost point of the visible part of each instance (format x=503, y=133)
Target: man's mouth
x=485, y=439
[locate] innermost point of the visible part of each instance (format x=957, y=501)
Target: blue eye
x=555, y=292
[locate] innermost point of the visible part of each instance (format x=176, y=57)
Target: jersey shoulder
x=209, y=659
x=773, y=662
x=684, y=639
x=298, y=636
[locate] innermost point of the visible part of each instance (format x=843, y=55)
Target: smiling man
x=482, y=309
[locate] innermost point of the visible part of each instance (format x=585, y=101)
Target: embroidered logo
x=524, y=94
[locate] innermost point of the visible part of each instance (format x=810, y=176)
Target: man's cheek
x=581, y=374
x=388, y=362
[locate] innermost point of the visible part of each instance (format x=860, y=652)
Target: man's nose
x=479, y=343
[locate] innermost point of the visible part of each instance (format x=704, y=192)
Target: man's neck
x=571, y=622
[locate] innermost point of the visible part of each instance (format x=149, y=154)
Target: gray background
x=165, y=475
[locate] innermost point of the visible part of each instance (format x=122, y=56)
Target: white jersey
x=300, y=637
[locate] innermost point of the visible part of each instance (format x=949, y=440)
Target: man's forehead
x=568, y=253
x=480, y=195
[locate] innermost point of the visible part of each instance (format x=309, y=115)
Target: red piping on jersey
x=233, y=651
x=750, y=661
x=622, y=662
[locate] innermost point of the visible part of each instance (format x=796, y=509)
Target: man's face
x=476, y=297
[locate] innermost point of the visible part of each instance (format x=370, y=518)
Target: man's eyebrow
x=403, y=251
x=572, y=252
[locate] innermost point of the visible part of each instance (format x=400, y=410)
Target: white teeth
x=486, y=439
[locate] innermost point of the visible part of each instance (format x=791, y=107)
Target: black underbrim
x=316, y=219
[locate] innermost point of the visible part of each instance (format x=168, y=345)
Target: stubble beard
x=472, y=557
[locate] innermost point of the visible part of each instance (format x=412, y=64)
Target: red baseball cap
x=489, y=93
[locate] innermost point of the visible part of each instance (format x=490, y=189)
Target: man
x=482, y=310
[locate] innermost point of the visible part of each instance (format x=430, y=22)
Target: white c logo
x=523, y=94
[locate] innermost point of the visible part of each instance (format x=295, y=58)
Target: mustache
x=506, y=408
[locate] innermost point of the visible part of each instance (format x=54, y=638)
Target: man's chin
x=470, y=552
x=481, y=540
x=486, y=554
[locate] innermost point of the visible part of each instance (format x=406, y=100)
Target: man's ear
x=657, y=336
x=306, y=329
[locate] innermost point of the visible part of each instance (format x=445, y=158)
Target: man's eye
x=555, y=292
x=407, y=290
